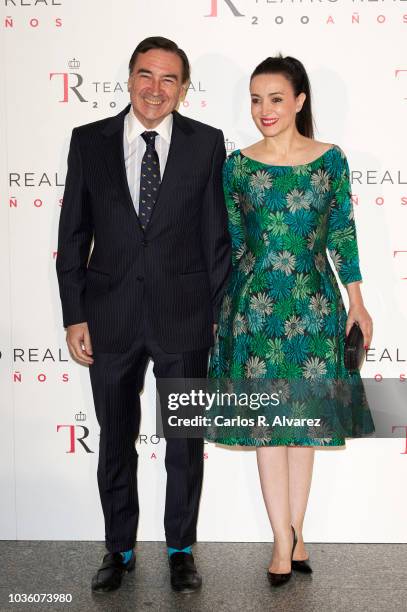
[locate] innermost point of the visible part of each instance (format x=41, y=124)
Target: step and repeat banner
x=65, y=64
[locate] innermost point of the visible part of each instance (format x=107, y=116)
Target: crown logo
x=80, y=416
x=74, y=63
x=229, y=145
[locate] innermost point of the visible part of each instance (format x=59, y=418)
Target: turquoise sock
x=127, y=555
x=187, y=550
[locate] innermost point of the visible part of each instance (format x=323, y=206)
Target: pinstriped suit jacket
x=181, y=263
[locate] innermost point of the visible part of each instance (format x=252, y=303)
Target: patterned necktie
x=149, y=179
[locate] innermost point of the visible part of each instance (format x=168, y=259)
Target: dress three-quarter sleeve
x=341, y=236
x=233, y=208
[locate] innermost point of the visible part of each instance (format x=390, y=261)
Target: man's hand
x=215, y=329
x=79, y=344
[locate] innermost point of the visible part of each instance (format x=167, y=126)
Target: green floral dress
x=282, y=316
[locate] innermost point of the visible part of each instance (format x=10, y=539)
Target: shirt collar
x=135, y=128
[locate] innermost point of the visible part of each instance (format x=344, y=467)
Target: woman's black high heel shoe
x=280, y=579
x=302, y=566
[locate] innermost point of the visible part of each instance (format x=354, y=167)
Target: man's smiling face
x=155, y=86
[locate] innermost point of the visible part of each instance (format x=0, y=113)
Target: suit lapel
x=114, y=157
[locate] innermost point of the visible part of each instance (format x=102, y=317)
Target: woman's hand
x=359, y=314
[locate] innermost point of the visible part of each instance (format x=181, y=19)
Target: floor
x=351, y=577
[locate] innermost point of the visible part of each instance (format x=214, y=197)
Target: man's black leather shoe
x=184, y=575
x=110, y=573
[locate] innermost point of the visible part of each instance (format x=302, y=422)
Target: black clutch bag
x=354, y=352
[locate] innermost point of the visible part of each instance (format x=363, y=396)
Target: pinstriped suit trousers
x=117, y=380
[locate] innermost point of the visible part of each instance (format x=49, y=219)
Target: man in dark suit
x=145, y=187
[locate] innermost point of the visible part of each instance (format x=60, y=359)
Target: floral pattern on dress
x=283, y=315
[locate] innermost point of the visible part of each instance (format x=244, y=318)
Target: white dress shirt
x=134, y=147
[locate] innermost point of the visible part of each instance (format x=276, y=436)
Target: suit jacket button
x=140, y=278
x=144, y=243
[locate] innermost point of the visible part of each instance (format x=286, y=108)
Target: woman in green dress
x=288, y=199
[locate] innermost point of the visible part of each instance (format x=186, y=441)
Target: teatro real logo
x=70, y=81
x=72, y=85
x=232, y=6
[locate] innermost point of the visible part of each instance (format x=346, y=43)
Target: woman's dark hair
x=294, y=71
x=159, y=42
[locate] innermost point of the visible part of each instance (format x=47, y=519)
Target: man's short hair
x=159, y=42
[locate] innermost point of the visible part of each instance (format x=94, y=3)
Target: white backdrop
x=65, y=64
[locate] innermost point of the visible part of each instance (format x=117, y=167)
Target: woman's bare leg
x=285, y=478
x=272, y=462
x=300, y=465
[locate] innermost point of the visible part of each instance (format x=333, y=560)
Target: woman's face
x=274, y=104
